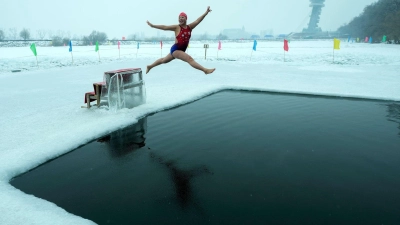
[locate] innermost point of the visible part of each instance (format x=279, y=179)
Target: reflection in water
x=182, y=181
x=394, y=113
x=124, y=141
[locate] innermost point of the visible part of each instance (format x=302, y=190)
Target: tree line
x=378, y=19
x=59, y=39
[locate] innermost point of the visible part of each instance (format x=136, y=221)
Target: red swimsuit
x=183, y=39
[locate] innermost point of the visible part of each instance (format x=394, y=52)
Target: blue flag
x=255, y=45
x=370, y=39
x=138, y=45
x=348, y=40
x=70, y=46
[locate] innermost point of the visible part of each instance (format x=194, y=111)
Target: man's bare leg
x=187, y=58
x=159, y=61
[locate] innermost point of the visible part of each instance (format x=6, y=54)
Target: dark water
x=237, y=158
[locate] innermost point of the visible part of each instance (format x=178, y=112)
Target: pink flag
x=285, y=45
x=119, y=44
x=219, y=45
x=366, y=39
x=161, y=44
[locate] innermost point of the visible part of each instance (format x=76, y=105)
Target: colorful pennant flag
x=70, y=50
x=384, y=38
x=366, y=39
x=219, y=47
x=161, y=43
x=97, y=49
x=70, y=46
x=119, y=49
x=254, y=48
x=336, y=44
x=255, y=45
x=137, y=49
x=33, y=48
x=370, y=40
x=285, y=45
x=285, y=48
x=349, y=38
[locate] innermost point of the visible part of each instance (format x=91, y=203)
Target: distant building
x=236, y=33
x=269, y=37
x=269, y=32
x=281, y=36
x=140, y=35
x=204, y=36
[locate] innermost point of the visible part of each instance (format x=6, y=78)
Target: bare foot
x=208, y=71
x=148, y=69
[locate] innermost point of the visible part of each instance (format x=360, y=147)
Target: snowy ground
x=41, y=106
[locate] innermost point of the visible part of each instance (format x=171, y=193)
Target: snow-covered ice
x=41, y=114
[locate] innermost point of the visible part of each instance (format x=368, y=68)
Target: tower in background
x=315, y=16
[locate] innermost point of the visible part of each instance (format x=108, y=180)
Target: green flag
x=384, y=38
x=97, y=46
x=33, y=48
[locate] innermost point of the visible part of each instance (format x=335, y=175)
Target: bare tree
x=132, y=37
x=97, y=36
x=41, y=34
x=13, y=33
x=68, y=34
x=76, y=37
x=204, y=36
x=25, y=34
x=50, y=34
x=2, y=34
x=222, y=37
x=60, y=33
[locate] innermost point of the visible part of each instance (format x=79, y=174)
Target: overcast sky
x=126, y=17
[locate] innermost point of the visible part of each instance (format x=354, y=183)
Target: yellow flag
x=336, y=44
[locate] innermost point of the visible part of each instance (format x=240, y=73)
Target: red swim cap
x=183, y=14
